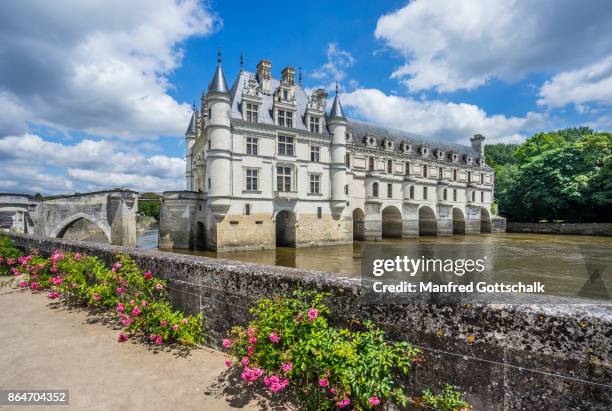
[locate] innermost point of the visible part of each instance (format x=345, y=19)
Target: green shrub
x=289, y=342
x=9, y=255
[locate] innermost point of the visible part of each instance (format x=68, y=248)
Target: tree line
x=563, y=175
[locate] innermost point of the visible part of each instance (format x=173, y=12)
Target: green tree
x=542, y=142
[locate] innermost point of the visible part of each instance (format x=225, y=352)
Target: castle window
x=481, y=178
x=251, y=146
x=389, y=166
x=347, y=160
x=285, y=146
x=247, y=209
x=473, y=196
x=252, y=177
x=315, y=183
x=469, y=176
x=444, y=194
x=455, y=175
x=315, y=154
x=482, y=196
x=285, y=118
x=285, y=95
x=440, y=173
x=424, y=193
x=454, y=194
x=425, y=170
x=346, y=189
x=319, y=212
x=371, y=164
x=283, y=178
x=407, y=168
x=375, y=190
x=209, y=183
x=208, y=144
x=251, y=112
x=389, y=190
x=315, y=124
x=412, y=192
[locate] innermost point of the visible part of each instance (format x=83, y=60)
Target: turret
x=337, y=126
x=477, y=141
x=218, y=159
x=190, y=135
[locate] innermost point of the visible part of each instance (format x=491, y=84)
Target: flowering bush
x=290, y=344
x=139, y=298
x=8, y=256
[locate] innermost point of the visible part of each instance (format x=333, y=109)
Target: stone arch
x=458, y=221
x=358, y=224
x=391, y=222
x=285, y=228
x=485, y=220
x=427, y=221
x=66, y=224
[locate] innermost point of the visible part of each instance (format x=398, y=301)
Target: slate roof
x=191, y=129
x=218, y=84
x=358, y=129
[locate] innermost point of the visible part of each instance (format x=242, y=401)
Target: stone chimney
x=288, y=77
x=264, y=68
x=477, y=141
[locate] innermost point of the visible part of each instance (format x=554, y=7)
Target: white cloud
x=30, y=163
x=591, y=84
x=454, y=122
x=338, y=61
x=452, y=45
x=96, y=66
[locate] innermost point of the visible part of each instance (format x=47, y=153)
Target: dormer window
x=480, y=162
x=424, y=151
x=370, y=141
x=405, y=147
x=285, y=95
x=285, y=118
x=252, y=113
x=315, y=124
x=453, y=156
x=439, y=154
x=388, y=144
x=468, y=159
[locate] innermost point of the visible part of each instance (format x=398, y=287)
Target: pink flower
x=122, y=337
x=57, y=280
x=252, y=340
x=144, y=303
x=344, y=403
x=251, y=375
x=227, y=343
x=148, y=275
x=245, y=361
x=53, y=295
x=135, y=311
x=77, y=257
x=159, y=340
x=175, y=327
x=132, y=302
x=23, y=284
x=152, y=337
x=184, y=321
x=228, y=363
x=120, y=290
x=374, y=401
x=97, y=297
x=274, y=337
x=275, y=384
x=34, y=285
x=323, y=382
x=286, y=367
x=125, y=320
x=313, y=313
x=250, y=350
x=332, y=391
x=159, y=286
x=120, y=308
x=163, y=323
x=250, y=332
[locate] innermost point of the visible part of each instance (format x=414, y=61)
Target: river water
x=562, y=262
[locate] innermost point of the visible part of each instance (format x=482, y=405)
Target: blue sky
x=96, y=95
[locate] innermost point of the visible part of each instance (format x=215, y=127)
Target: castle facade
x=268, y=165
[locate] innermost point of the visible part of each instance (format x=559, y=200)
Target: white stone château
x=268, y=165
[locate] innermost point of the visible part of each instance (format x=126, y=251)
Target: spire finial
x=219, y=55
x=241, y=62
x=300, y=75
x=336, y=88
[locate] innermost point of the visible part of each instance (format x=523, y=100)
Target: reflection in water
x=558, y=261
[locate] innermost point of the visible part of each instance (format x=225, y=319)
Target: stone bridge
x=106, y=216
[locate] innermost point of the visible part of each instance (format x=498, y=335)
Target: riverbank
x=597, y=229
x=46, y=345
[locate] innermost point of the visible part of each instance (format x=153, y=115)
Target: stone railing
x=537, y=356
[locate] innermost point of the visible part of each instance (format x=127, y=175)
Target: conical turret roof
x=218, y=84
x=191, y=129
x=336, y=110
